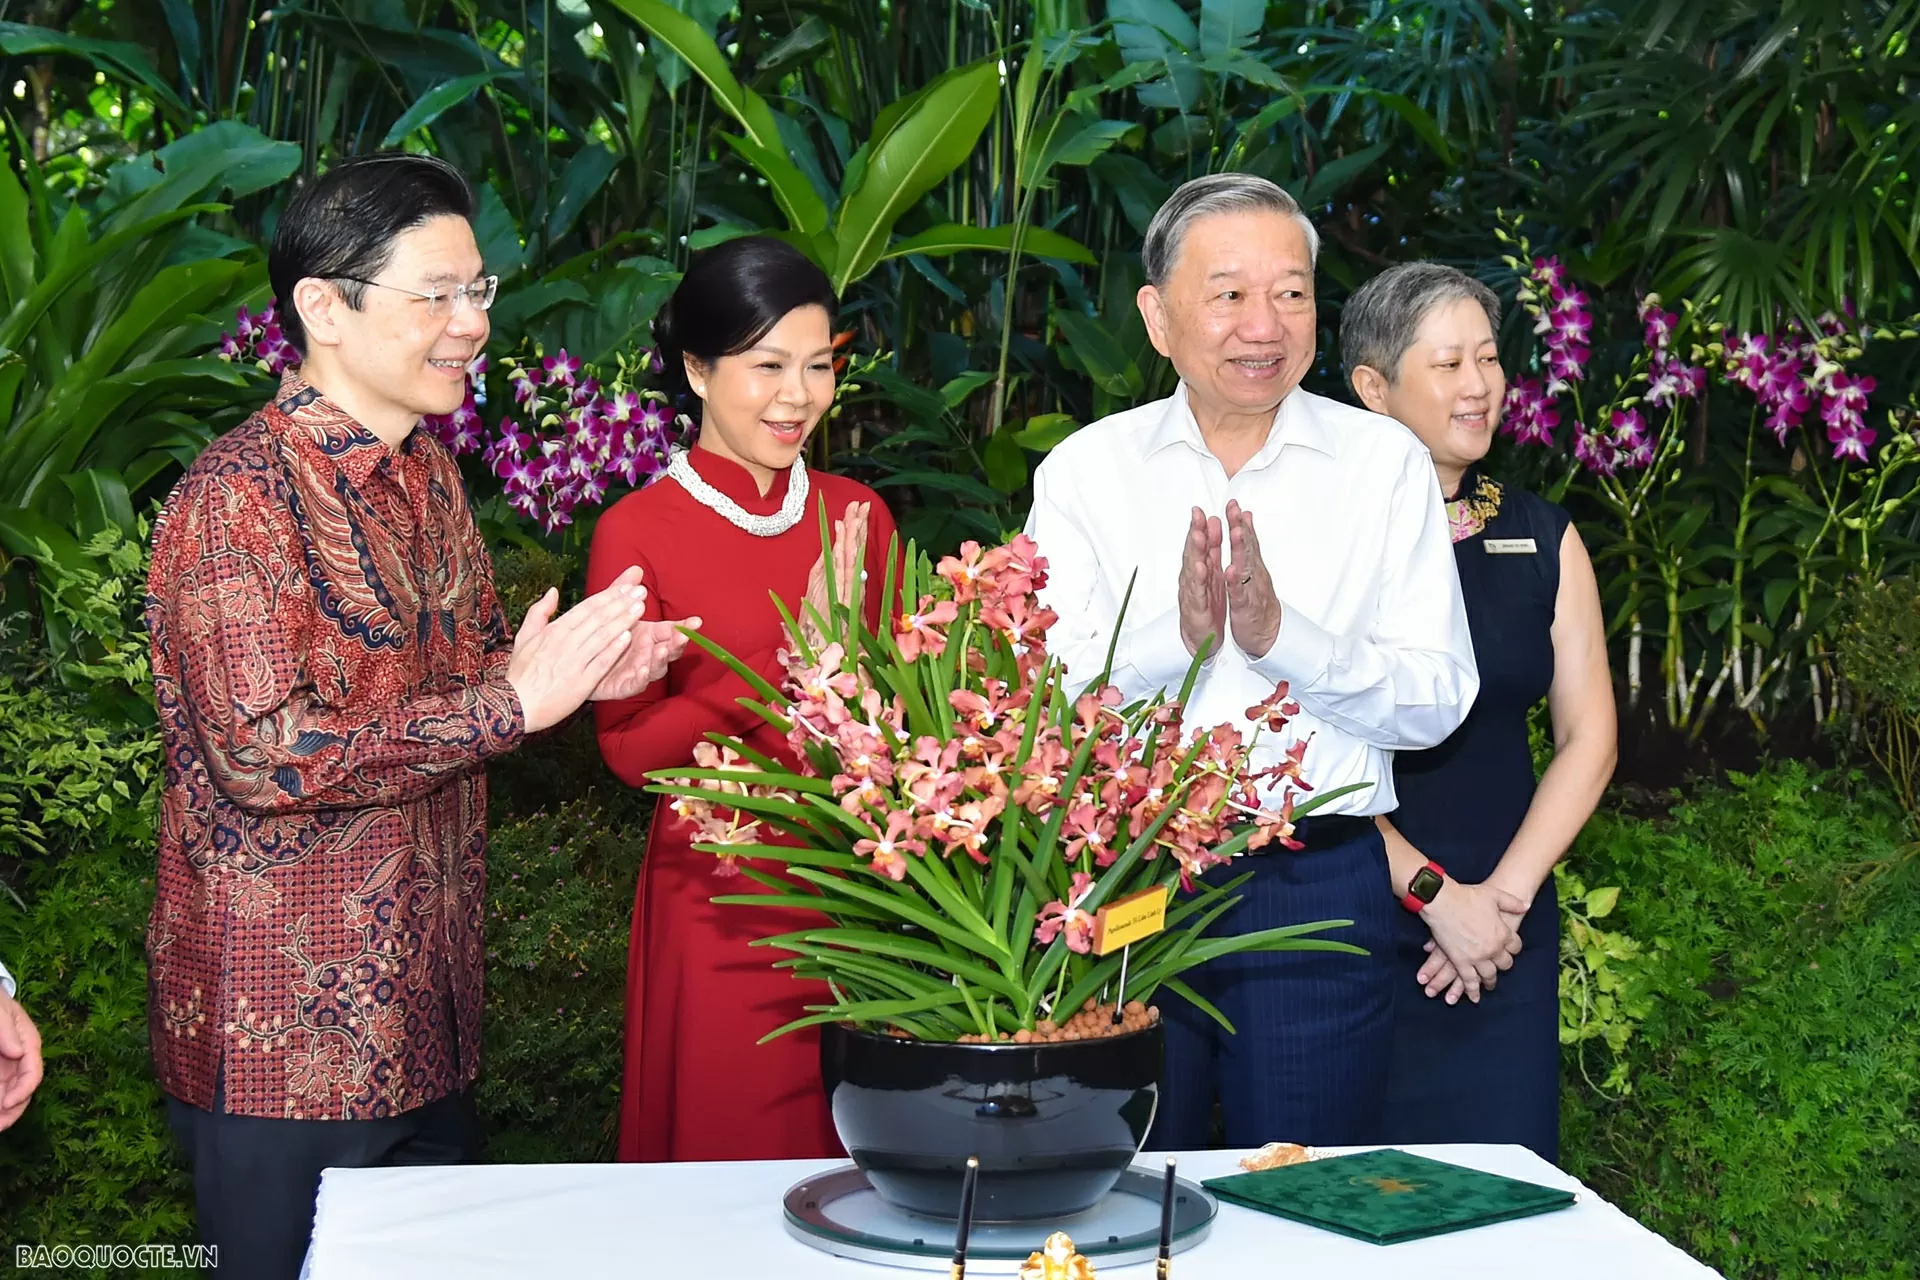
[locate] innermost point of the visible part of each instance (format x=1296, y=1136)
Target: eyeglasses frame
x=461, y=293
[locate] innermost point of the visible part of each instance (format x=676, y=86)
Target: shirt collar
x=321, y=428
x=736, y=482
x=1296, y=422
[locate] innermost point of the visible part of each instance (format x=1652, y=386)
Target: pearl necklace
x=732, y=512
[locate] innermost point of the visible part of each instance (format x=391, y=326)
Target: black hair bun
x=673, y=365
x=731, y=296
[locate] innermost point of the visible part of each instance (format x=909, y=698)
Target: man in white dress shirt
x=1297, y=539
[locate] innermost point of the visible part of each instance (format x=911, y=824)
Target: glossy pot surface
x=1054, y=1125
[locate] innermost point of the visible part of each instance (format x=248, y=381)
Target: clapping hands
x=1203, y=585
x=654, y=646
x=599, y=649
x=1210, y=594
x=849, y=558
x=1252, y=603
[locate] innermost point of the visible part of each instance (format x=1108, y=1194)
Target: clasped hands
x=1214, y=596
x=1476, y=935
x=599, y=650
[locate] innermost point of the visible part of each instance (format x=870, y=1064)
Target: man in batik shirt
x=333, y=670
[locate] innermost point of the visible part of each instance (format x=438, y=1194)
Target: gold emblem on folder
x=1391, y=1186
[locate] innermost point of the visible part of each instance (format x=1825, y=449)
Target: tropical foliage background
x=976, y=176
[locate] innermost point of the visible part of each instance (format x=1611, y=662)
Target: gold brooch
x=1469, y=514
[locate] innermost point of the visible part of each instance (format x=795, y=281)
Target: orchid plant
x=579, y=436
x=1718, y=628
x=962, y=807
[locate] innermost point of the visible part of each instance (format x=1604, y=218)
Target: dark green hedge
x=560, y=902
x=1773, y=1123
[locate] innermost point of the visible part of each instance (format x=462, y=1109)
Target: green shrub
x=559, y=908
x=1606, y=983
x=1879, y=651
x=522, y=574
x=1773, y=1127
x=91, y=1161
x=77, y=745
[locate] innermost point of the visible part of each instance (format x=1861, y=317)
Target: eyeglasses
x=477, y=294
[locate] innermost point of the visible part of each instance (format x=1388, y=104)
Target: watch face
x=1425, y=884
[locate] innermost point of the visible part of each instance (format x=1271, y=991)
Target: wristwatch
x=1424, y=886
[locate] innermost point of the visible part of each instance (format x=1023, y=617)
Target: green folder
x=1388, y=1197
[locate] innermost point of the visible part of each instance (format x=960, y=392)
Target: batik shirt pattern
x=330, y=669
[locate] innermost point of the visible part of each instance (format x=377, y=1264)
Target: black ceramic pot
x=1054, y=1125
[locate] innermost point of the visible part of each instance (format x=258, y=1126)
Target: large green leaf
x=1160, y=35
x=100, y=501
x=499, y=235
x=586, y=174
x=72, y=261
x=224, y=157
x=1329, y=178
x=1106, y=361
x=16, y=234
x=1043, y=431
x=685, y=37
x=792, y=190
x=928, y=143
x=68, y=428
x=889, y=119
x=804, y=209
x=1133, y=183
x=161, y=307
x=1026, y=90
x=1229, y=24
x=435, y=102
x=184, y=25
x=810, y=35
x=24, y=532
x=122, y=60
x=1072, y=138
x=954, y=238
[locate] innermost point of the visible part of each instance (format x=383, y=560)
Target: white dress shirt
x=1373, y=634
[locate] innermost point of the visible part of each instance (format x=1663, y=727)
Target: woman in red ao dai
x=735, y=522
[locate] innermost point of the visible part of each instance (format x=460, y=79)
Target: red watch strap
x=1414, y=904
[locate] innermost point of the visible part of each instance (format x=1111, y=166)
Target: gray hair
x=1382, y=316
x=1204, y=197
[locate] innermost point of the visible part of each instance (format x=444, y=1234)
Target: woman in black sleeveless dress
x=1473, y=841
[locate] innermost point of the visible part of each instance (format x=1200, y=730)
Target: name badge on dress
x=1510, y=547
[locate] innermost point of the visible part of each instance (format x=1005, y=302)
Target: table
x=635, y=1221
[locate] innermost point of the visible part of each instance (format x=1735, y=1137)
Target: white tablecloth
x=637, y=1221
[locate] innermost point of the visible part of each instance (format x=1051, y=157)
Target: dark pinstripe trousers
x=1313, y=1031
